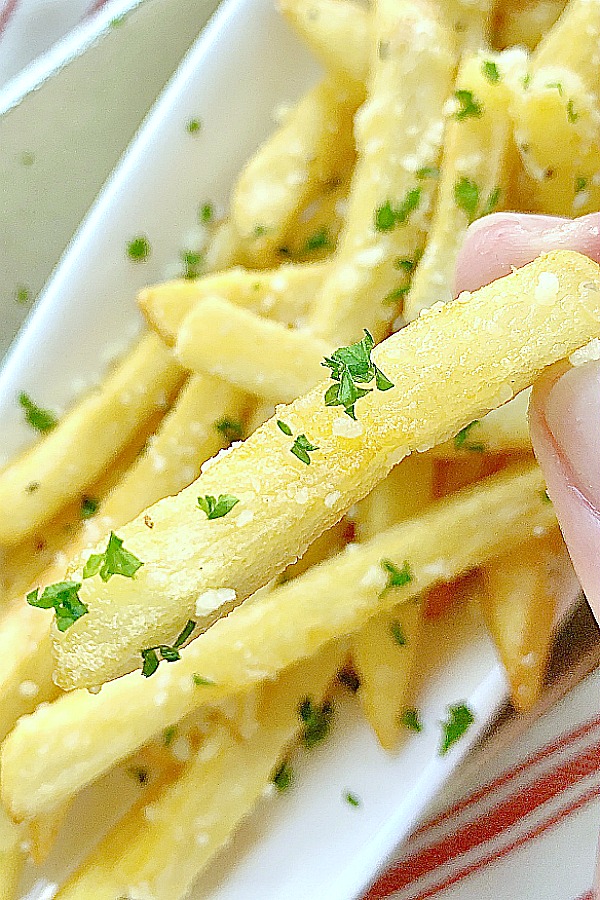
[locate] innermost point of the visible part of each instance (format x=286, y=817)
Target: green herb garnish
x=546, y=497
x=41, y=419
x=22, y=295
x=398, y=293
x=260, y=231
x=410, y=719
x=428, y=172
x=351, y=799
x=555, y=85
x=63, y=598
x=216, y=509
x=301, y=448
x=469, y=106
x=89, y=507
x=284, y=427
x=320, y=240
x=316, y=720
x=491, y=71
x=398, y=634
x=405, y=265
x=152, y=656
x=201, y=680
x=139, y=249
x=396, y=577
x=387, y=216
x=581, y=183
x=283, y=777
x=462, y=441
x=572, y=114
x=466, y=195
x=114, y=561
x=207, y=213
x=169, y=735
x=193, y=126
x=192, y=264
x=231, y=429
x=32, y=487
x=351, y=366
x=459, y=719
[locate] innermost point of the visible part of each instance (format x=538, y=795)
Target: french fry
x=254, y=353
x=448, y=367
x=412, y=68
x=314, y=232
x=574, y=43
x=73, y=455
x=187, y=437
x=263, y=637
x=473, y=176
x=12, y=857
x=519, y=606
x=468, y=22
x=283, y=294
x=384, y=651
x=223, y=249
x=194, y=817
x=314, y=143
x=503, y=430
x=337, y=31
x=524, y=25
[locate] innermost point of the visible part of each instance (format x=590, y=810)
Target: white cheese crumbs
x=529, y=660
x=546, y=289
x=279, y=283
x=29, y=689
x=346, y=427
x=332, y=498
x=181, y=749
x=370, y=256
x=589, y=353
x=581, y=199
x=374, y=577
x=463, y=297
x=201, y=838
x=159, y=463
x=244, y=518
x=224, y=452
x=301, y=495
x=213, y=599
x=61, y=559
x=160, y=698
x=539, y=531
x=438, y=569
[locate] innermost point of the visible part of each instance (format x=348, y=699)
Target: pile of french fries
x=414, y=495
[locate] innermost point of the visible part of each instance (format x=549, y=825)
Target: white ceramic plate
x=309, y=843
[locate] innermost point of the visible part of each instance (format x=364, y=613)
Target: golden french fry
x=337, y=31
x=223, y=250
x=519, y=604
x=254, y=353
x=12, y=857
x=84, y=443
x=312, y=146
x=524, y=25
x=194, y=817
x=574, y=43
x=263, y=637
x=412, y=69
x=314, y=232
x=43, y=831
x=448, y=367
x=473, y=177
x=283, y=294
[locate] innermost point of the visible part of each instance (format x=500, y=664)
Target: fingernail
x=572, y=413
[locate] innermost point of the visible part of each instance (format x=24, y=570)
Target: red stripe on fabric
x=489, y=826
x=547, y=750
x=6, y=14
x=589, y=896
x=96, y=7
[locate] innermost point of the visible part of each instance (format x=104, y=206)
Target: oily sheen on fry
x=450, y=366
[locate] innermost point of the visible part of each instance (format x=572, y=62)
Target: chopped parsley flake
x=22, y=295
x=192, y=264
x=580, y=184
x=351, y=799
x=32, y=487
x=207, y=213
x=283, y=777
x=463, y=442
x=284, y=427
x=114, y=561
x=491, y=71
x=27, y=158
x=469, y=106
x=428, y=172
x=320, y=240
x=387, y=217
x=351, y=366
x=316, y=720
x=152, y=656
x=63, y=598
x=139, y=249
x=301, y=448
x=89, y=507
x=193, y=126
x=216, y=509
x=572, y=114
x=411, y=719
x=466, y=195
x=396, y=577
x=555, y=85
x=546, y=497
x=41, y=419
x=201, y=680
x=260, y=231
x=398, y=293
x=169, y=735
x=398, y=634
x=526, y=81
x=117, y=21
x=459, y=719
x=405, y=265
x=231, y=429
x=492, y=202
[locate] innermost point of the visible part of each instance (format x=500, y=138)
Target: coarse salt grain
x=332, y=498
x=546, y=289
x=589, y=353
x=346, y=427
x=214, y=598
